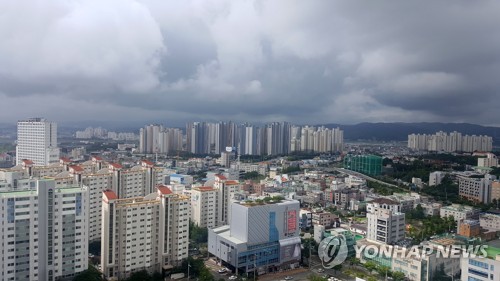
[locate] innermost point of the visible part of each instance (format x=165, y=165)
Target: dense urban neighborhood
x=224, y=201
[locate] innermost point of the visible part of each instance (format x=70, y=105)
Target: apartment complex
x=37, y=142
x=271, y=139
x=44, y=232
x=260, y=237
x=143, y=233
x=158, y=139
x=97, y=175
x=317, y=139
x=452, y=142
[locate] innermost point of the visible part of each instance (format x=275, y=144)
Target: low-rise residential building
x=459, y=212
x=435, y=178
x=430, y=209
x=305, y=219
x=480, y=269
x=385, y=226
x=490, y=221
x=469, y=228
x=475, y=189
x=495, y=192
x=382, y=203
x=326, y=219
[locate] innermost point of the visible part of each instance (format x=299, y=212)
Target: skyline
x=311, y=63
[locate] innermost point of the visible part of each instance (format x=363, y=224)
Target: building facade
x=44, y=235
x=385, y=226
x=261, y=237
x=143, y=233
x=459, y=212
x=37, y=142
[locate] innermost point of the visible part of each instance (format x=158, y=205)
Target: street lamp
x=188, y=269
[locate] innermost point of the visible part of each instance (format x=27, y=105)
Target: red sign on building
x=292, y=221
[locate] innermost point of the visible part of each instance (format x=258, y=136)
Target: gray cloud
x=303, y=61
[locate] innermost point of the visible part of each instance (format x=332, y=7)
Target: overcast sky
x=301, y=61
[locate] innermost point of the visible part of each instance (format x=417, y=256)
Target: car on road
x=233, y=277
x=288, y=278
x=222, y=270
x=320, y=270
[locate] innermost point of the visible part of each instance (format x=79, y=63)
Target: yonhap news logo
x=332, y=251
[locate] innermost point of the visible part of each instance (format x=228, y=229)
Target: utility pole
x=310, y=250
x=188, y=269
x=254, y=265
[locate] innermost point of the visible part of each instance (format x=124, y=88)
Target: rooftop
x=164, y=189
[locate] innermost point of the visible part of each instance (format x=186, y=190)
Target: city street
x=299, y=274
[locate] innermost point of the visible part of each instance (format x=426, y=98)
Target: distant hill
x=400, y=131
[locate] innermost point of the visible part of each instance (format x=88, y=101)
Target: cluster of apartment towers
x=213, y=138
x=54, y=209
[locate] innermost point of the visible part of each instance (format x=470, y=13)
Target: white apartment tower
x=225, y=196
x=37, y=141
x=210, y=206
x=204, y=206
x=143, y=233
x=43, y=235
x=385, y=226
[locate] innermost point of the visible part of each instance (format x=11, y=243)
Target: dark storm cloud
x=303, y=61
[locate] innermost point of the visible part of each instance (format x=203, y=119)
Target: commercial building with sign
x=261, y=237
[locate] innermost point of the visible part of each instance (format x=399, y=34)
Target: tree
x=398, y=276
x=142, y=275
x=370, y=265
x=91, y=274
x=198, y=234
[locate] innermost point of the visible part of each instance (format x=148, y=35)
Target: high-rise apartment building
x=143, y=233
x=226, y=190
x=385, y=226
x=204, y=206
x=157, y=139
x=210, y=205
x=37, y=142
x=97, y=175
x=44, y=231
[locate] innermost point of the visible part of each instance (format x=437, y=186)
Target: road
x=298, y=274
x=363, y=176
